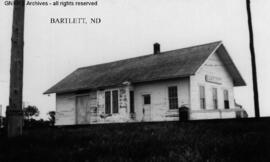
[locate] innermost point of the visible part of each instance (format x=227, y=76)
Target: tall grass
x=229, y=140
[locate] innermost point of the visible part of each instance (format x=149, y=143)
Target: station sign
x=213, y=79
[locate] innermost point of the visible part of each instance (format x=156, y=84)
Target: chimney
x=156, y=48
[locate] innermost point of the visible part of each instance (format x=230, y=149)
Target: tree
x=51, y=117
x=30, y=111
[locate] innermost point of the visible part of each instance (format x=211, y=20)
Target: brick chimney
x=156, y=48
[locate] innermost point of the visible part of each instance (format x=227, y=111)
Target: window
x=115, y=101
x=131, y=96
x=108, y=102
x=215, y=98
x=111, y=102
x=147, y=99
x=226, y=99
x=202, y=97
x=173, y=97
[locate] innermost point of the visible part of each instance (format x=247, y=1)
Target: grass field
x=217, y=140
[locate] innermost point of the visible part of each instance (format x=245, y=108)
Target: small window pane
x=131, y=94
x=215, y=98
x=108, y=102
x=115, y=101
x=226, y=104
x=226, y=99
x=226, y=95
x=147, y=99
x=202, y=103
x=202, y=92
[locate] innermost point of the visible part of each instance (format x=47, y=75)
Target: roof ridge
x=147, y=55
x=114, y=61
x=193, y=46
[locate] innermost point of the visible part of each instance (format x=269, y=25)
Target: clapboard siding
x=65, y=109
x=213, y=67
x=159, y=99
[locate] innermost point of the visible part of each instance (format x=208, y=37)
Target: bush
x=32, y=123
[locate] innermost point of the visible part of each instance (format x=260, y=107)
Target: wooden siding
x=159, y=99
x=65, y=109
x=214, y=114
x=212, y=67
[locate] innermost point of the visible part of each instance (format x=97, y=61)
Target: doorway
x=82, y=110
x=146, y=107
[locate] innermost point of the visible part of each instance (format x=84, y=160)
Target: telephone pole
x=253, y=62
x=14, y=110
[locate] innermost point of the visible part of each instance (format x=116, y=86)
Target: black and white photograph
x=134, y=80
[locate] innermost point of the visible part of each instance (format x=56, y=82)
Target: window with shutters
x=173, y=97
x=226, y=99
x=111, y=102
x=215, y=98
x=202, y=97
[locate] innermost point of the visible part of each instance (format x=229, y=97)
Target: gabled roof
x=165, y=65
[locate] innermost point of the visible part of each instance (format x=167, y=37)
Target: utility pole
x=253, y=62
x=14, y=110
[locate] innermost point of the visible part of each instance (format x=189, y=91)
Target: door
x=82, y=110
x=146, y=107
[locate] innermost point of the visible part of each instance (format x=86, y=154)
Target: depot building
x=151, y=88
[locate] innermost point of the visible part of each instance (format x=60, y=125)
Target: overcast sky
x=128, y=29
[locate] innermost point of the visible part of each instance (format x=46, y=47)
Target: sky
x=128, y=29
